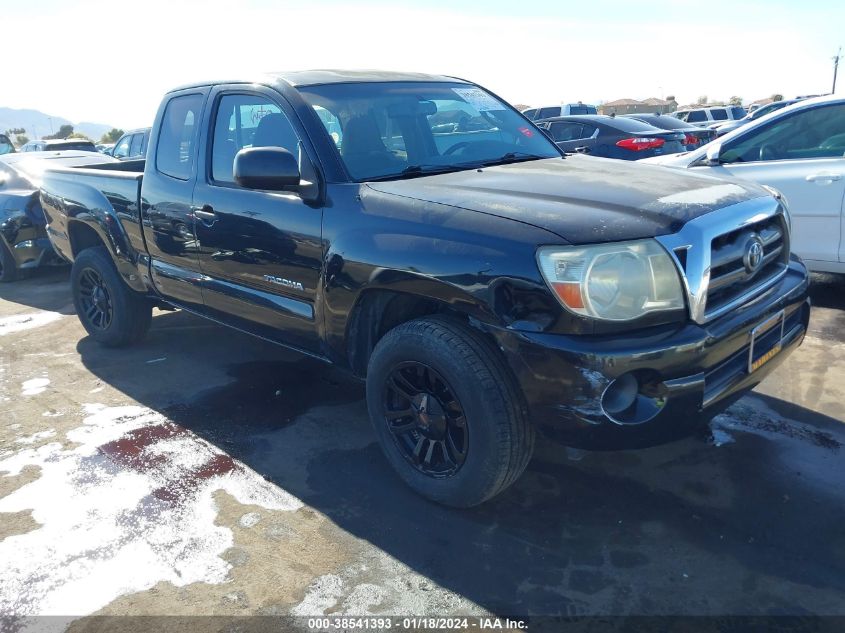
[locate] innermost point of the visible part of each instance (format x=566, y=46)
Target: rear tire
x=447, y=412
x=8, y=266
x=113, y=314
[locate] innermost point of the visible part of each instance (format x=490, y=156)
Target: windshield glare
x=384, y=129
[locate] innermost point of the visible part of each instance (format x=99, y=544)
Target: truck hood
x=583, y=200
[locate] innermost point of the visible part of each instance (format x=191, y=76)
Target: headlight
x=620, y=281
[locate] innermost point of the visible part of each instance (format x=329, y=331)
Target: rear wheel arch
x=81, y=236
x=84, y=234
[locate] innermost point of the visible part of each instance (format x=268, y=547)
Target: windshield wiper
x=513, y=157
x=413, y=171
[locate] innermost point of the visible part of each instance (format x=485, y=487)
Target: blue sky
x=121, y=56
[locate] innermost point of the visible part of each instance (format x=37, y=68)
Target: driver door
x=802, y=156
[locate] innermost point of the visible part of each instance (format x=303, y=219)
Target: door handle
x=823, y=178
x=205, y=213
x=584, y=149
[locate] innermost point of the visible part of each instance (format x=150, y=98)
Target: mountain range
x=38, y=124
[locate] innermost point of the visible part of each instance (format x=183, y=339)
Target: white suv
x=800, y=151
x=566, y=109
x=704, y=117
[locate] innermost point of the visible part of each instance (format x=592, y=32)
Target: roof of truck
x=301, y=78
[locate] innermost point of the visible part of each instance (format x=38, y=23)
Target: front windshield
x=396, y=129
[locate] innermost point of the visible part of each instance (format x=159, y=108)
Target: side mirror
x=714, y=151
x=711, y=156
x=267, y=168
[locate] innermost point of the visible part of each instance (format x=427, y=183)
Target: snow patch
x=32, y=439
x=130, y=505
x=20, y=322
x=34, y=386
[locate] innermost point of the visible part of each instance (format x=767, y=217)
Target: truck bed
x=92, y=194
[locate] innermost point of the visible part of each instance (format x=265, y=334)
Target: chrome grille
x=731, y=273
x=709, y=252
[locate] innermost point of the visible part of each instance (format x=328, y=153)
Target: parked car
x=132, y=145
x=706, y=117
x=60, y=145
x=612, y=137
x=481, y=282
x=724, y=128
x=6, y=145
x=23, y=238
x=800, y=151
x=693, y=136
x=565, y=109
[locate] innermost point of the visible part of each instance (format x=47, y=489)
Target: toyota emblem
x=753, y=257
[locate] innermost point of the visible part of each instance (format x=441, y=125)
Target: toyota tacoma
x=420, y=232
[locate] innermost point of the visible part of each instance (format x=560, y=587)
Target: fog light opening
x=633, y=398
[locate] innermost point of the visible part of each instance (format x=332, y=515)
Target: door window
x=135, y=148
x=719, y=114
x=178, y=136
x=245, y=121
x=696, y=116
x=121, y=150
x=813, y=133
x=568, y=131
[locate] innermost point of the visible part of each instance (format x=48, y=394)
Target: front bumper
x=692, y=371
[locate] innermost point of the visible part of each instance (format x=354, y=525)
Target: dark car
x=23, y=238
x=723, y=128
x=612, y=137
x=693, y=136
x=132, y=145
x=6, y=145
x=60, y=145
x=480, y=281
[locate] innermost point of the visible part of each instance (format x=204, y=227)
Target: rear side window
x=544, y=113
x=247, y=121
x=178, y=136
x=737, y=112
x=530, y=114
x=719, y=114
x=696, y=116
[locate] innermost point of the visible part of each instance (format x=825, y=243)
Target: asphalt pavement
x=205, y=471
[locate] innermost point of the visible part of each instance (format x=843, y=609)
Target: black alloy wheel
x=425, y=419
x=96, y=301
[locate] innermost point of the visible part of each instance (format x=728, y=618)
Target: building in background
x=633, y=106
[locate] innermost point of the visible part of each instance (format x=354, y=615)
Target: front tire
x=113, y=314
x=447, y=412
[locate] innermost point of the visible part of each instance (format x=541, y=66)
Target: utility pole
x=835, y=68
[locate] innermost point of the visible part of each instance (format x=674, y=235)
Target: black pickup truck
x=420, y=232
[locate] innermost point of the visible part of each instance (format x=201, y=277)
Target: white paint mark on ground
x=20, y=322
x=34, y=386
x=129, y=506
